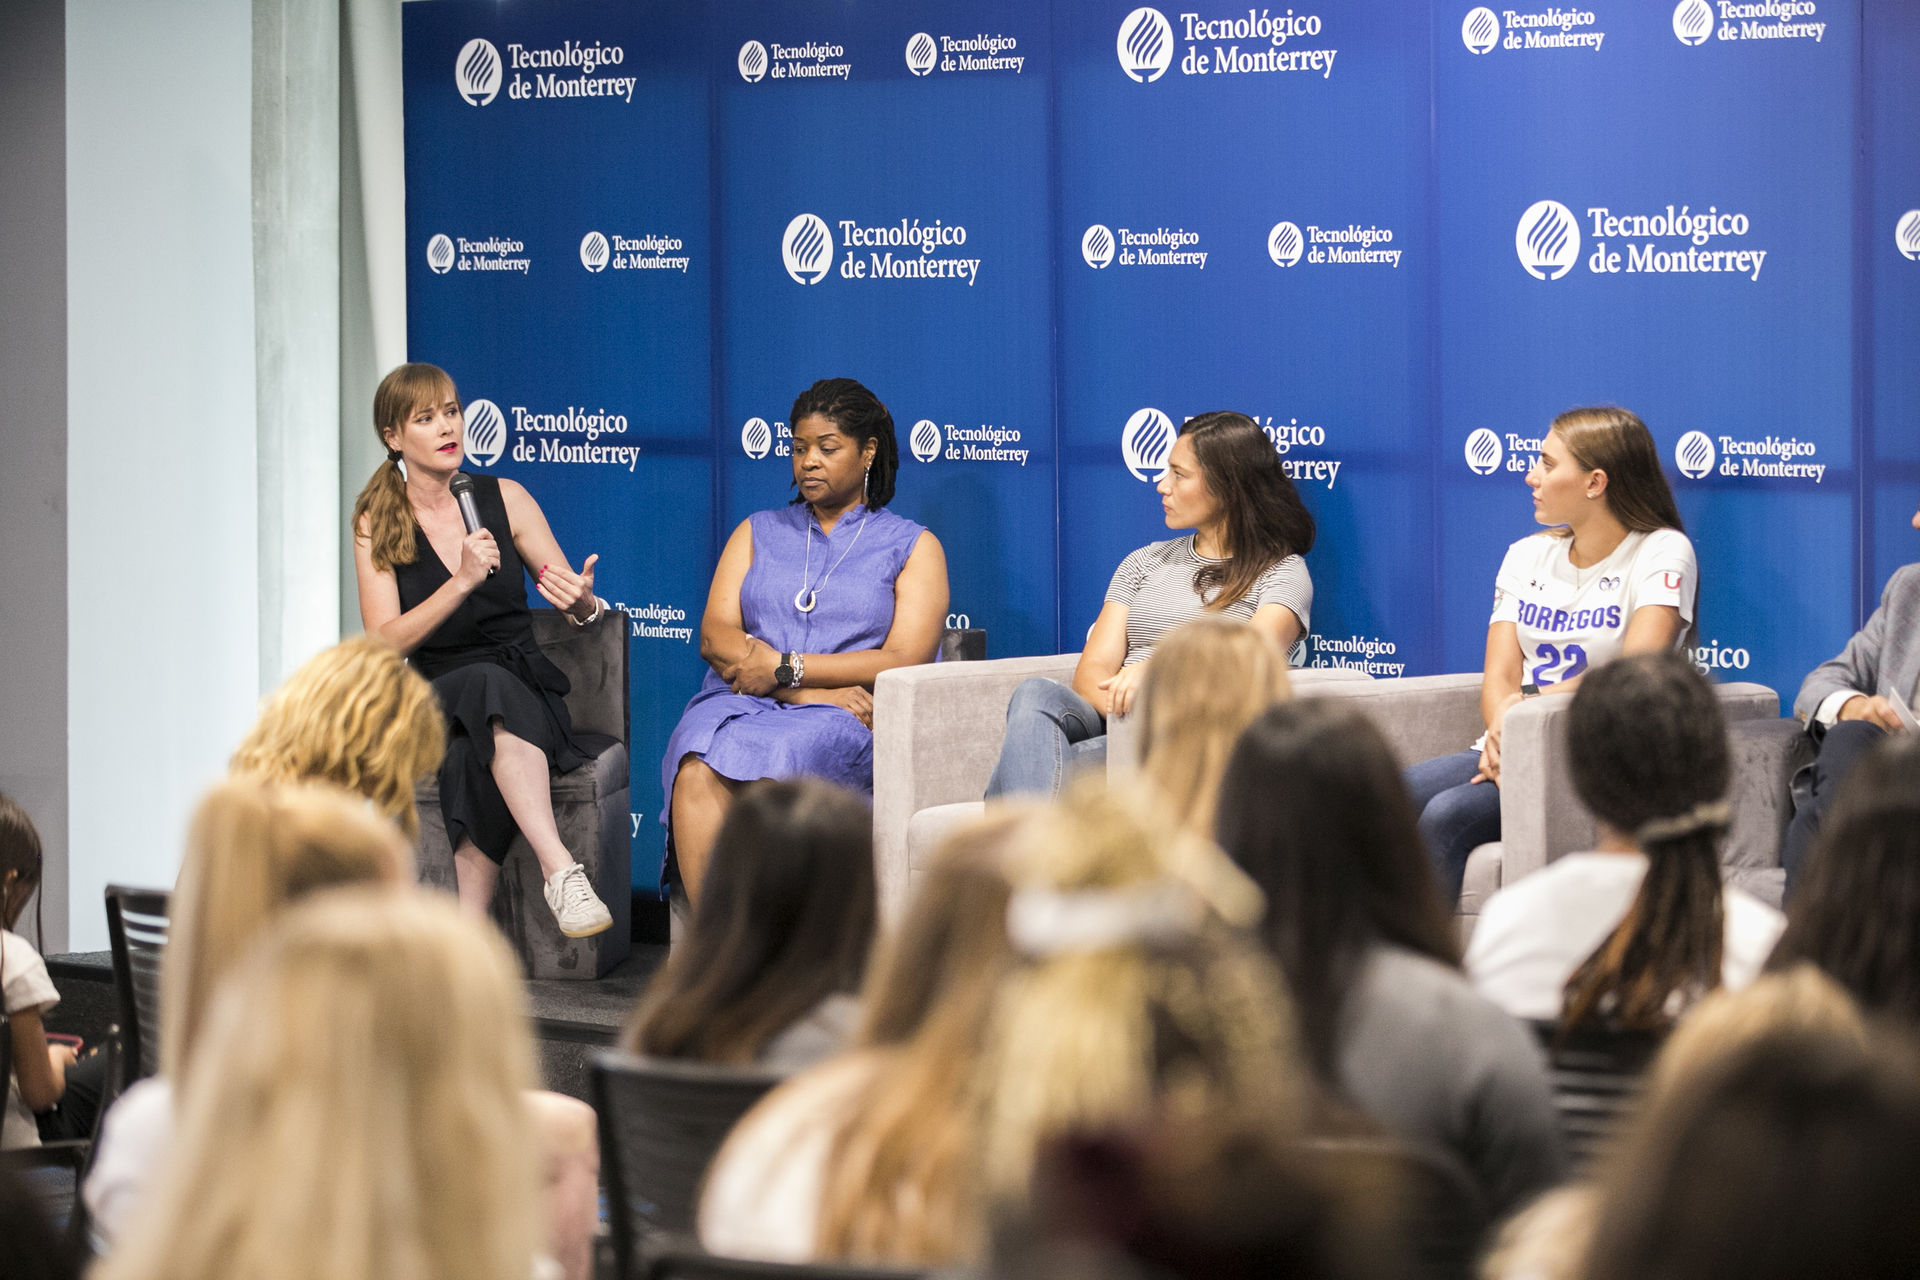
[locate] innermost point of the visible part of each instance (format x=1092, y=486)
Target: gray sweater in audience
x=1434, y=1062
x=825, y=1030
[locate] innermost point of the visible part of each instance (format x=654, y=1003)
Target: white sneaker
x=574, y=904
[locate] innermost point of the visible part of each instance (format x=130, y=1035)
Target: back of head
x=786, y=920
x=1207, y=681
x=1796, y=1156
x=252, y=850
x=1138, y=994
x=1799, y=999
x=899, y=1185
x=19, y=861
x=1610, y=439
x=861, y=416
x=354, y=1109
x=1856, y=913
x=1648, y=751
x=1314, y=810
x=355, y=715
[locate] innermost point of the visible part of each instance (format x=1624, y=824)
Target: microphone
x=462, y=488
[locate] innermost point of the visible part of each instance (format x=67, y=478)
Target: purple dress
x=743, y=737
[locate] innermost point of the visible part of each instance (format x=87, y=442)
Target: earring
x=866, y=479
x=1592, y=494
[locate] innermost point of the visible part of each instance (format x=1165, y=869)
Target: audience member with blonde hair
x=1549, y=1240
x=355, y=715
x=1209, y=680
x=254, y=849
x=351, y=1110
x=1139, y=995
x=867, y=1155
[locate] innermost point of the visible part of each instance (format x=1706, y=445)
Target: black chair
x=1438, y=1208
x=137, y=931
x=56, y=1171
x=1596, y=1075
x=661, y=1121
x=691, y=1264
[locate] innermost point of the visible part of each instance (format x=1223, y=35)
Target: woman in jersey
x=1243, y=560
x=1613, y=573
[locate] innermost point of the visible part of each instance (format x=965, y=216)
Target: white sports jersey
x=1570, y=620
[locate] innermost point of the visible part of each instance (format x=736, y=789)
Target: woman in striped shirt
x=1224, y=481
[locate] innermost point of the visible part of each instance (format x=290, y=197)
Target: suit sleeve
x=1856, y=667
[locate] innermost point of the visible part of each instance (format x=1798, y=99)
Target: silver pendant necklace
x=812, y=597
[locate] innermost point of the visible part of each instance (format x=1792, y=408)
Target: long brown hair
x=1266, y=521
x=383, y=502
x=1313, y=808
x=1649, y=758
x=1610, y=439
x=786, y=920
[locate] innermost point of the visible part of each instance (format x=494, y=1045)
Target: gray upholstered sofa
x=937, y=734
x=590, y=807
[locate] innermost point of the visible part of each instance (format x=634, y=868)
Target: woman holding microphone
x=455, y=603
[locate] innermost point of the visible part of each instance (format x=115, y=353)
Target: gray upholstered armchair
x=590, y=806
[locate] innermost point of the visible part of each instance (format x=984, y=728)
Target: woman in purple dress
x=810, y=603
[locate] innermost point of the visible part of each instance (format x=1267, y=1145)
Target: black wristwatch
x=1529, y=690
x=790, y=671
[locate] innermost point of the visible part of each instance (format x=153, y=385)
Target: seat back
x=1596, y=1074
x=661, y=1121
x=1438, y=1208
x=690, y=1264
x=137, y=931
x=594, y=660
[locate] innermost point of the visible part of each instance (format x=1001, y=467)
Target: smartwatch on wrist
x=1529, y=690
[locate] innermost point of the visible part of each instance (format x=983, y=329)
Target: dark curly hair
x=859, y=413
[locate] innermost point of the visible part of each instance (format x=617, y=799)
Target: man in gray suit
x=1847, y=708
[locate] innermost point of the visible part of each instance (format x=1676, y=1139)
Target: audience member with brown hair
x=1314, y=810
x=1633, y=933
x=1798, y=1156
x=355, y=715
x=1549, y=1239
x=780, y=935
x=37, y=1076
x=867, y=1155
x=1856, y=911
x=353, y=1109
x=1207, y=682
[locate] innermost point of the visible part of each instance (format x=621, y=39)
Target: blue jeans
x=1051, y=732
x=1456, y=815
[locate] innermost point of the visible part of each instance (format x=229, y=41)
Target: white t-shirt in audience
x=762, y=1197
x=134, y=1137
x=1534, y=933
x=27, y=986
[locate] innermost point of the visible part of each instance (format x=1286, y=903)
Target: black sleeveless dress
x=486, y=667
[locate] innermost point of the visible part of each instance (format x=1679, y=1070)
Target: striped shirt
x=1155, y=584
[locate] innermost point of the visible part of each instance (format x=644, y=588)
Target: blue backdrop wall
x=1401, y=235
